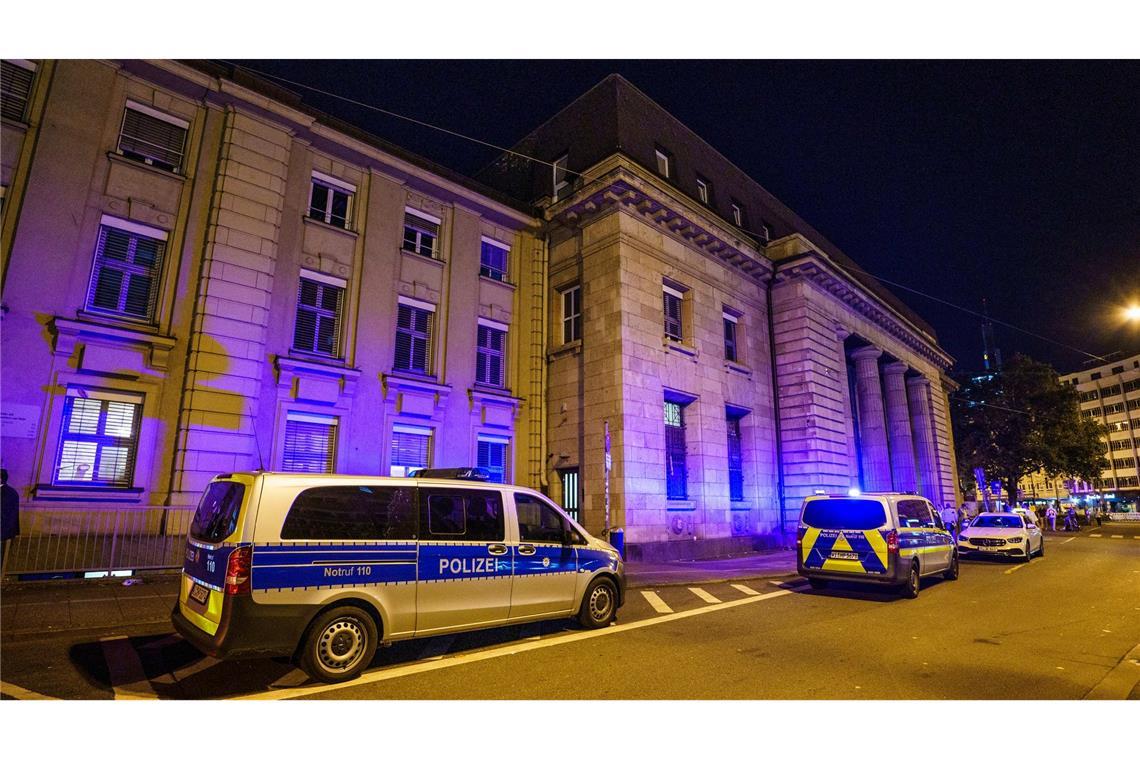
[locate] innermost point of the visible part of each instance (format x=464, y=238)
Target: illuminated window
x=152, y=137
x=735, y=457
x=675, y=454
x=319, y=302
x=411, y=450
x=413, y=337
x=125, y=275
x=490, y=354
x=421, y=233
x=330, y=200
x=98, y=438
x=310, y=443
x=493, y=257
x=15, y=88
x=570, y=493
x=572, y=314
x=492, y=456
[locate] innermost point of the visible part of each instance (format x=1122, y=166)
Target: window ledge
x=681, y=348
x=327, y=226
x=46, y=492
x=503, y=283
x=420, y=257
x=121, y=159
x=18, y=125
x=738, y=368
x=574, y=347
x=68, y=332
x=679, y=505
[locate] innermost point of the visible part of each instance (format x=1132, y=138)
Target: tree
x=1022, y=419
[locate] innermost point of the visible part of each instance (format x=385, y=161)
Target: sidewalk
x=46, y=607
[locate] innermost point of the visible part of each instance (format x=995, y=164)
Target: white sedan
x=1003, y=533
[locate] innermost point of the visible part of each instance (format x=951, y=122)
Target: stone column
x=922, y=428
x=898, y=427
x=873, y=449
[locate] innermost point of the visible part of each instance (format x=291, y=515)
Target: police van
x=323, y=568
x=885, y=538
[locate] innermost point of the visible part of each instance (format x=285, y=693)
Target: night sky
x=1014, y=181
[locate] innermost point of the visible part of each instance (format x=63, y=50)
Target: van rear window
x=844, y=514
x=217, y=514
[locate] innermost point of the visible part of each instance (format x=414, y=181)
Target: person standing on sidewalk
x=9, y=514
x=1051, y=513
x=950, y=518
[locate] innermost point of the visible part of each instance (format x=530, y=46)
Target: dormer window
x=737, y=214
x=664, y=163
x=560, y=181
x=704, y=191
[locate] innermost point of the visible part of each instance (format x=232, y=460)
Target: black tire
x=951, y=573
x=339, y=645
x=817, y=583
x=913, y=583
x=1028, y=552
x=1041, y=551
x=599, y=604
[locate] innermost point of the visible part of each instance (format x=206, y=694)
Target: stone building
x=202, y=274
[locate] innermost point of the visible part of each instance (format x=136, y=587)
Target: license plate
x=990, y=548
x=199, y=593
x=844, y=555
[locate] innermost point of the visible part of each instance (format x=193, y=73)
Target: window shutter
x=317, y=328
x=673, y=316
x=15, y=88
x=310, y=444
x=153, y=140
x=124, y=280
x=413, y=339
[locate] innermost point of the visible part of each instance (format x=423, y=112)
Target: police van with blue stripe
x=324, y=568
x=893, y=539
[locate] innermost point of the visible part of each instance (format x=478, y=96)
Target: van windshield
x=844, y=514
x=217, y=514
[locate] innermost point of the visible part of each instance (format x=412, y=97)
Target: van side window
x=541, y=523
x=914, y=513
x=458, y=515
x=356, y=513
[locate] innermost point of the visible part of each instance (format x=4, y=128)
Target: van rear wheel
x=599, y=604
x=340, y=644
x=911, y=587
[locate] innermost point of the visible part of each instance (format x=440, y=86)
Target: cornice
x=623, y=188
x=817, y=268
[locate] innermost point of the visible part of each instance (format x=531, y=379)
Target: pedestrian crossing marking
x=656, y=602
x=745, y=590
x=1094, y=535
x=704, y=595
x=1119, y=535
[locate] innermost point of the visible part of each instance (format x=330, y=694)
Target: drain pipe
x=776, y=410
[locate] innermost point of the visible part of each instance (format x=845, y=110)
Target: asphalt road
x=1065, y=626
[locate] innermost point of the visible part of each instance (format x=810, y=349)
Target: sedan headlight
x=1015, y=540
x=964, y=539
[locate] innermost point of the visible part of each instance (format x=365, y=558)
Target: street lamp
x=1132, y=313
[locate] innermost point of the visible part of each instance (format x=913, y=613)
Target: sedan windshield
x=998, y=521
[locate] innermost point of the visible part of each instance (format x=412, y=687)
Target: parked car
x=1002, y=534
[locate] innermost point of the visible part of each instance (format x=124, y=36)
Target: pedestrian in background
x=950, y=518
x=1051, y=513
x=9, y=514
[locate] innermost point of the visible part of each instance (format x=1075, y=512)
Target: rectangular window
x=15, y=88
x=330, y=200
x=1120, y=445
x=704, y=191
x=664, y=163
x=1113, y=391
x=492, y=456
x=559, y=175
x=461, y=515
x=125, y=275
x=730, y=345
x=570, y=494
x=490, y=358
x=493, y=259
x=310, y=443
x=421, y=233
x=673, y=300
x=98, y=438
x=352, y=513
x=675, y=464
x=319, y=303
x=411, y=450
x=737, y=215
x=572, y=314
x=413, y=339
x=155, y=138
x=764, y=233
x=735, y=459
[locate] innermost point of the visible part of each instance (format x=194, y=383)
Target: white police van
x=323, y=568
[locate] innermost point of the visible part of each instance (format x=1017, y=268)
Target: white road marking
x=290, y=680
x=1092, y=535
x=656, y=602
x=745, y=590
x=1074, y=538
x=1027, y=564
x=128, y=679
x=400, y=671
x=19, y=692
x=1118, y=535
x=704, y=595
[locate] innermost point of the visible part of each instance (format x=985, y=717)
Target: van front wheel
x=340, y=645
x=599, y=604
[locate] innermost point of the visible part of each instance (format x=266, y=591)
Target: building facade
x=201, y=274
x=1110, y=394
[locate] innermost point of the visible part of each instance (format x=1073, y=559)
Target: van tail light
x=800, y=538
x=238, y=571
x=893, y=542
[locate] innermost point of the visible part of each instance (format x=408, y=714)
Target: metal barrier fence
x=1124, y=516
x=98, y=538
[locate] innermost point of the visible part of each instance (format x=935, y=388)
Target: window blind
x=98, y=439
x=672, y=306
x=489, y=359
x=310, y=443
x=413, y=339
x=492, y=456
x=15, y=88
x=125, y=275
x=317, y=328
x=411, y=450
x=152, y=140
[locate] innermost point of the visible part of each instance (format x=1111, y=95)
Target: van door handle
x=497, y=549
x=526, y=549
